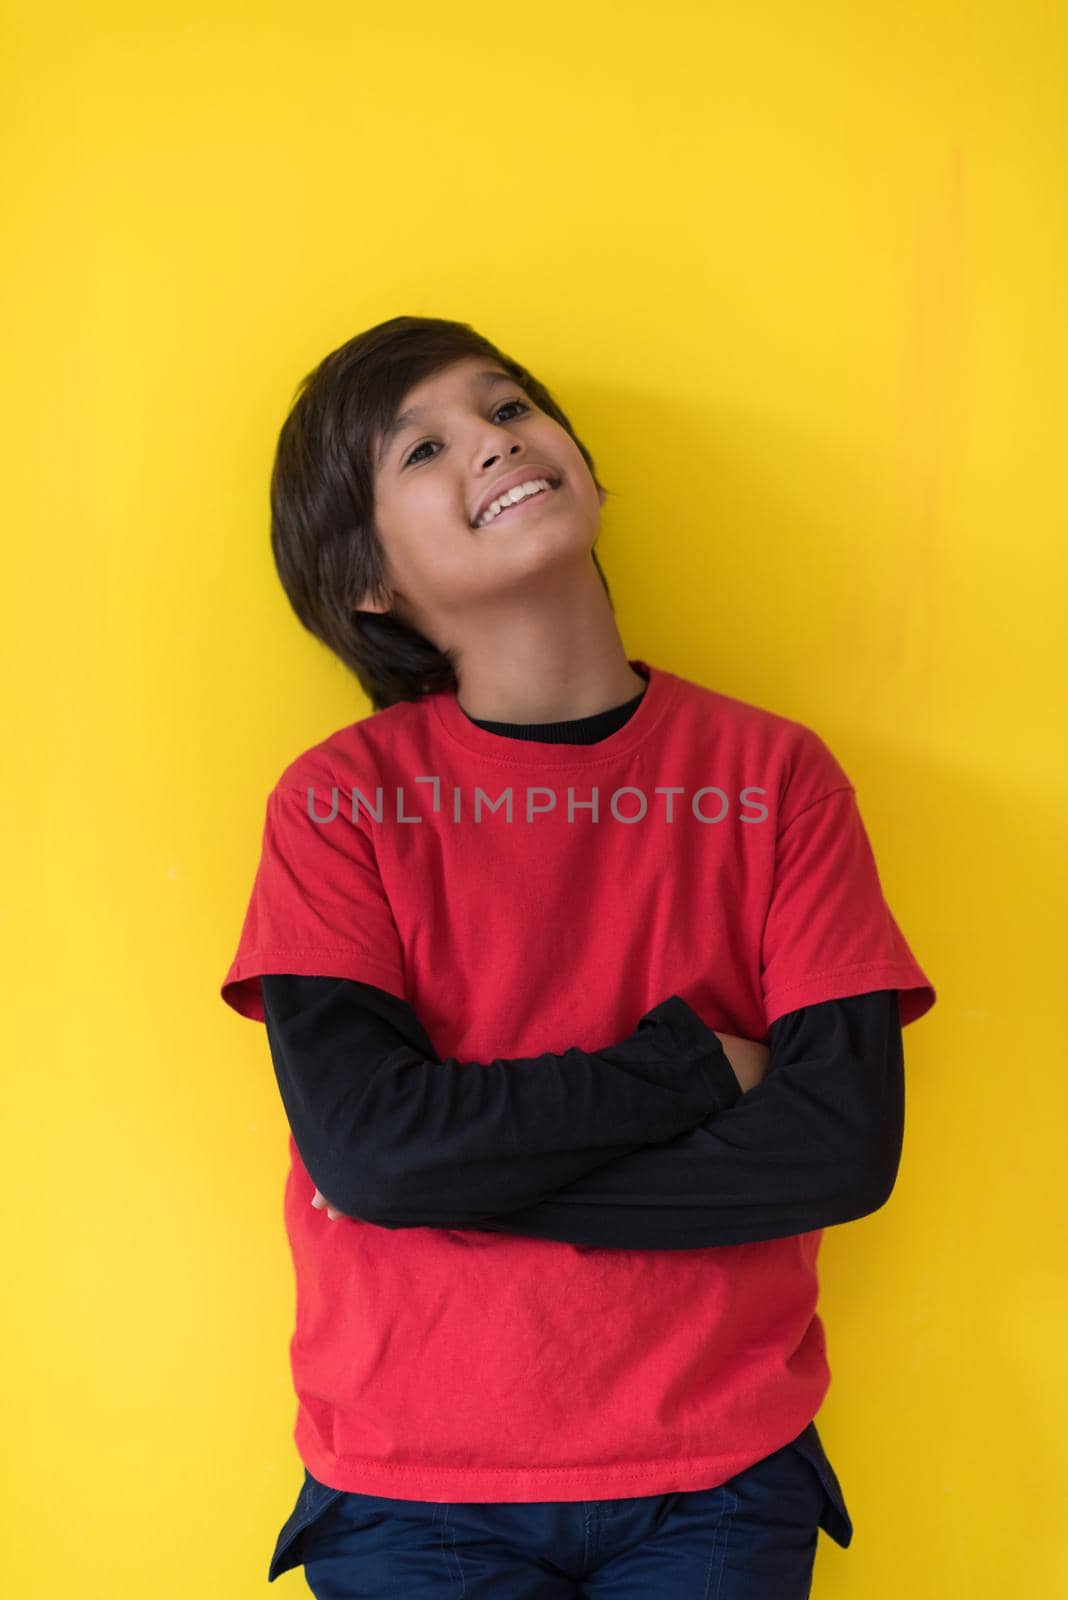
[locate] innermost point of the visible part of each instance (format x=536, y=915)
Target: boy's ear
x=368, y=602
x=602, y=495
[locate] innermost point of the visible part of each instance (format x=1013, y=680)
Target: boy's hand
x=319, y=1201
x=746, y=1056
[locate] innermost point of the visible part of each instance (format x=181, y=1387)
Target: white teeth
x=520, y=492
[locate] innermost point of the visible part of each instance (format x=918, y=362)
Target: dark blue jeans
x=751, y=1538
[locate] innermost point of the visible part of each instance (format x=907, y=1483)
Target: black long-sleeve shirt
x=647, y=1143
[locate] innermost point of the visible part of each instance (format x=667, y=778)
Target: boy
x=556, y=1329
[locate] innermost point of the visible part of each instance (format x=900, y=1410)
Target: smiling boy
x=556, y=1308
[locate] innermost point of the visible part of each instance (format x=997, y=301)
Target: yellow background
x=797, y=274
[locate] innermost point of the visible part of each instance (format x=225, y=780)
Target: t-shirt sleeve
x=829, y=931
x=318, y=906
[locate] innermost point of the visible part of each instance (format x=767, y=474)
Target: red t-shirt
x=460, y=1365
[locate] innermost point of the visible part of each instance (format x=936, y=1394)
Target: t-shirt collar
x=527, y=752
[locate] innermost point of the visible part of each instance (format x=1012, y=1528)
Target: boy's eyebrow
x=487, y=380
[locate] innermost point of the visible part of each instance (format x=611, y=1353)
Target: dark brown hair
x=326, y=548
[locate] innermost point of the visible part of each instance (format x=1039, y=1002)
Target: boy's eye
x=520, y=403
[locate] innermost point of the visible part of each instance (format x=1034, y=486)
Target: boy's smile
x=536, y=485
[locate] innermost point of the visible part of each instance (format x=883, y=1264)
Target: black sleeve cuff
x=695, y=1037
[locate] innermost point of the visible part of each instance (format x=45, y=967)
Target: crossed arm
x=676, y=1137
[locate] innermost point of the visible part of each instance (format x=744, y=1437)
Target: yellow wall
x=797, y=273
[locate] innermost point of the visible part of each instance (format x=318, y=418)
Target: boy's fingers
x=319, y=1200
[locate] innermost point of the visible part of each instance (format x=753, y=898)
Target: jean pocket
x=313, y=1499
x=835, y=1520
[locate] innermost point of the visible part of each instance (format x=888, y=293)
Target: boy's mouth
x=518, y=505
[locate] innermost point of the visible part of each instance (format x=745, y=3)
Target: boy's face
x=438, y=470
